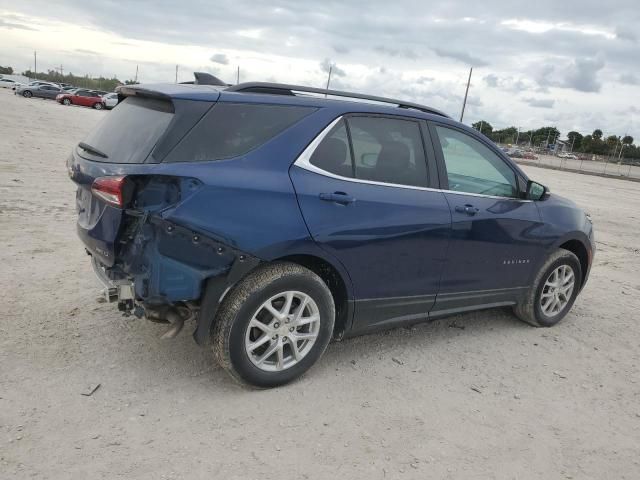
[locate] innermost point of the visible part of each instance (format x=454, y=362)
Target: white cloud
x=573, y=53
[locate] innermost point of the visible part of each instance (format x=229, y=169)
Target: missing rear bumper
x=121, y=290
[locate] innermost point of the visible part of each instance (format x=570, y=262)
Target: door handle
x=337, y=197
x=468, y=209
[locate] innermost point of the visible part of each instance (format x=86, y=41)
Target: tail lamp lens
x=110, y=189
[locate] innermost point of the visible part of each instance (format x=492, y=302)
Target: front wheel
x=98, y=106
x=274, y=325
x=27, y=94
x=554, y=290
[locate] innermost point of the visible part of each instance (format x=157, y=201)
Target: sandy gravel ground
x=475, y=396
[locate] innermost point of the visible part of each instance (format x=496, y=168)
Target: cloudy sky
x=574, y=64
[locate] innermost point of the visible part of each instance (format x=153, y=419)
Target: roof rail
x=285, y=89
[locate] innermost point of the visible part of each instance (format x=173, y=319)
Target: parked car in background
x=529, y=156
x=278, y=220
x=12, y=81
x=84, y=98
x=7, y=83
x=110, y=100
x=36, y=83
x=46, y=90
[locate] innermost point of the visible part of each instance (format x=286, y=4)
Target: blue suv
x=277, y=217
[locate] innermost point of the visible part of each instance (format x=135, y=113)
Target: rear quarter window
x=233, y=129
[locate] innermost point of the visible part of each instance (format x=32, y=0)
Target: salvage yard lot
x=473, y=396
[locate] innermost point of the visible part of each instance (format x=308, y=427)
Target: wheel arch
x=580, y=250
x=307, y=255
x=333, y=278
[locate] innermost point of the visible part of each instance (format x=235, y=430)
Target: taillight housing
x=114, y=190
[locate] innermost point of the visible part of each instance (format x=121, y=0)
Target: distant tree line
x=100, y=83
x=593, y=143
x=92, y=83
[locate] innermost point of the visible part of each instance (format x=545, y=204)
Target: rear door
x=364, y=189
x=47, y=91
x=82, y=97
x=494, y=245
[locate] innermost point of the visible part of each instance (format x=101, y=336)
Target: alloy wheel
x=557, y=290
x=282, y=331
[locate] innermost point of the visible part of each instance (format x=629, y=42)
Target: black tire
x=66, y=101
x=98, y=106
x=530, y=309
x=27, y=94
x=244, y=300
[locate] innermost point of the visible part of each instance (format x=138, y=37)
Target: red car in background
x=85, y=98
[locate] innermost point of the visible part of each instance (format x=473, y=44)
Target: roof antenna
x=203, y=78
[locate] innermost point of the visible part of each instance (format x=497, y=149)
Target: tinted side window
x=233, y=129
x=474, y=168
x=333, y=155
x=388, y=150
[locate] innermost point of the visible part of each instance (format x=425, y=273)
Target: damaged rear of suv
x=177, y=199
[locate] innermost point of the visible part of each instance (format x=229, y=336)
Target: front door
x=494, y=245
x=362, y=187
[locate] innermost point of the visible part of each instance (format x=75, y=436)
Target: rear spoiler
x=125, y=91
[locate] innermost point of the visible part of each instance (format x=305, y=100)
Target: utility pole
x=464, y=103
x=238, y=75
x=176, y=73
x=329, y=78
x=136, y=79
x=481, y=124
x=518, y=136
x=621, y=147
x=546, y=145
x=35, y=64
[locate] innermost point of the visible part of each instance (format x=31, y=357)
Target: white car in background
x=8, y=83
x=110, y=100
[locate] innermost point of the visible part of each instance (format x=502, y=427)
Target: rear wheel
x=27, y=94
x=554, y=290
x=66, y=101
x=274, y=325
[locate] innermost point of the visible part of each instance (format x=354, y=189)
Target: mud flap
x=215, y=288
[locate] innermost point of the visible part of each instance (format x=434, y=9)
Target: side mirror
x=536, y=191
